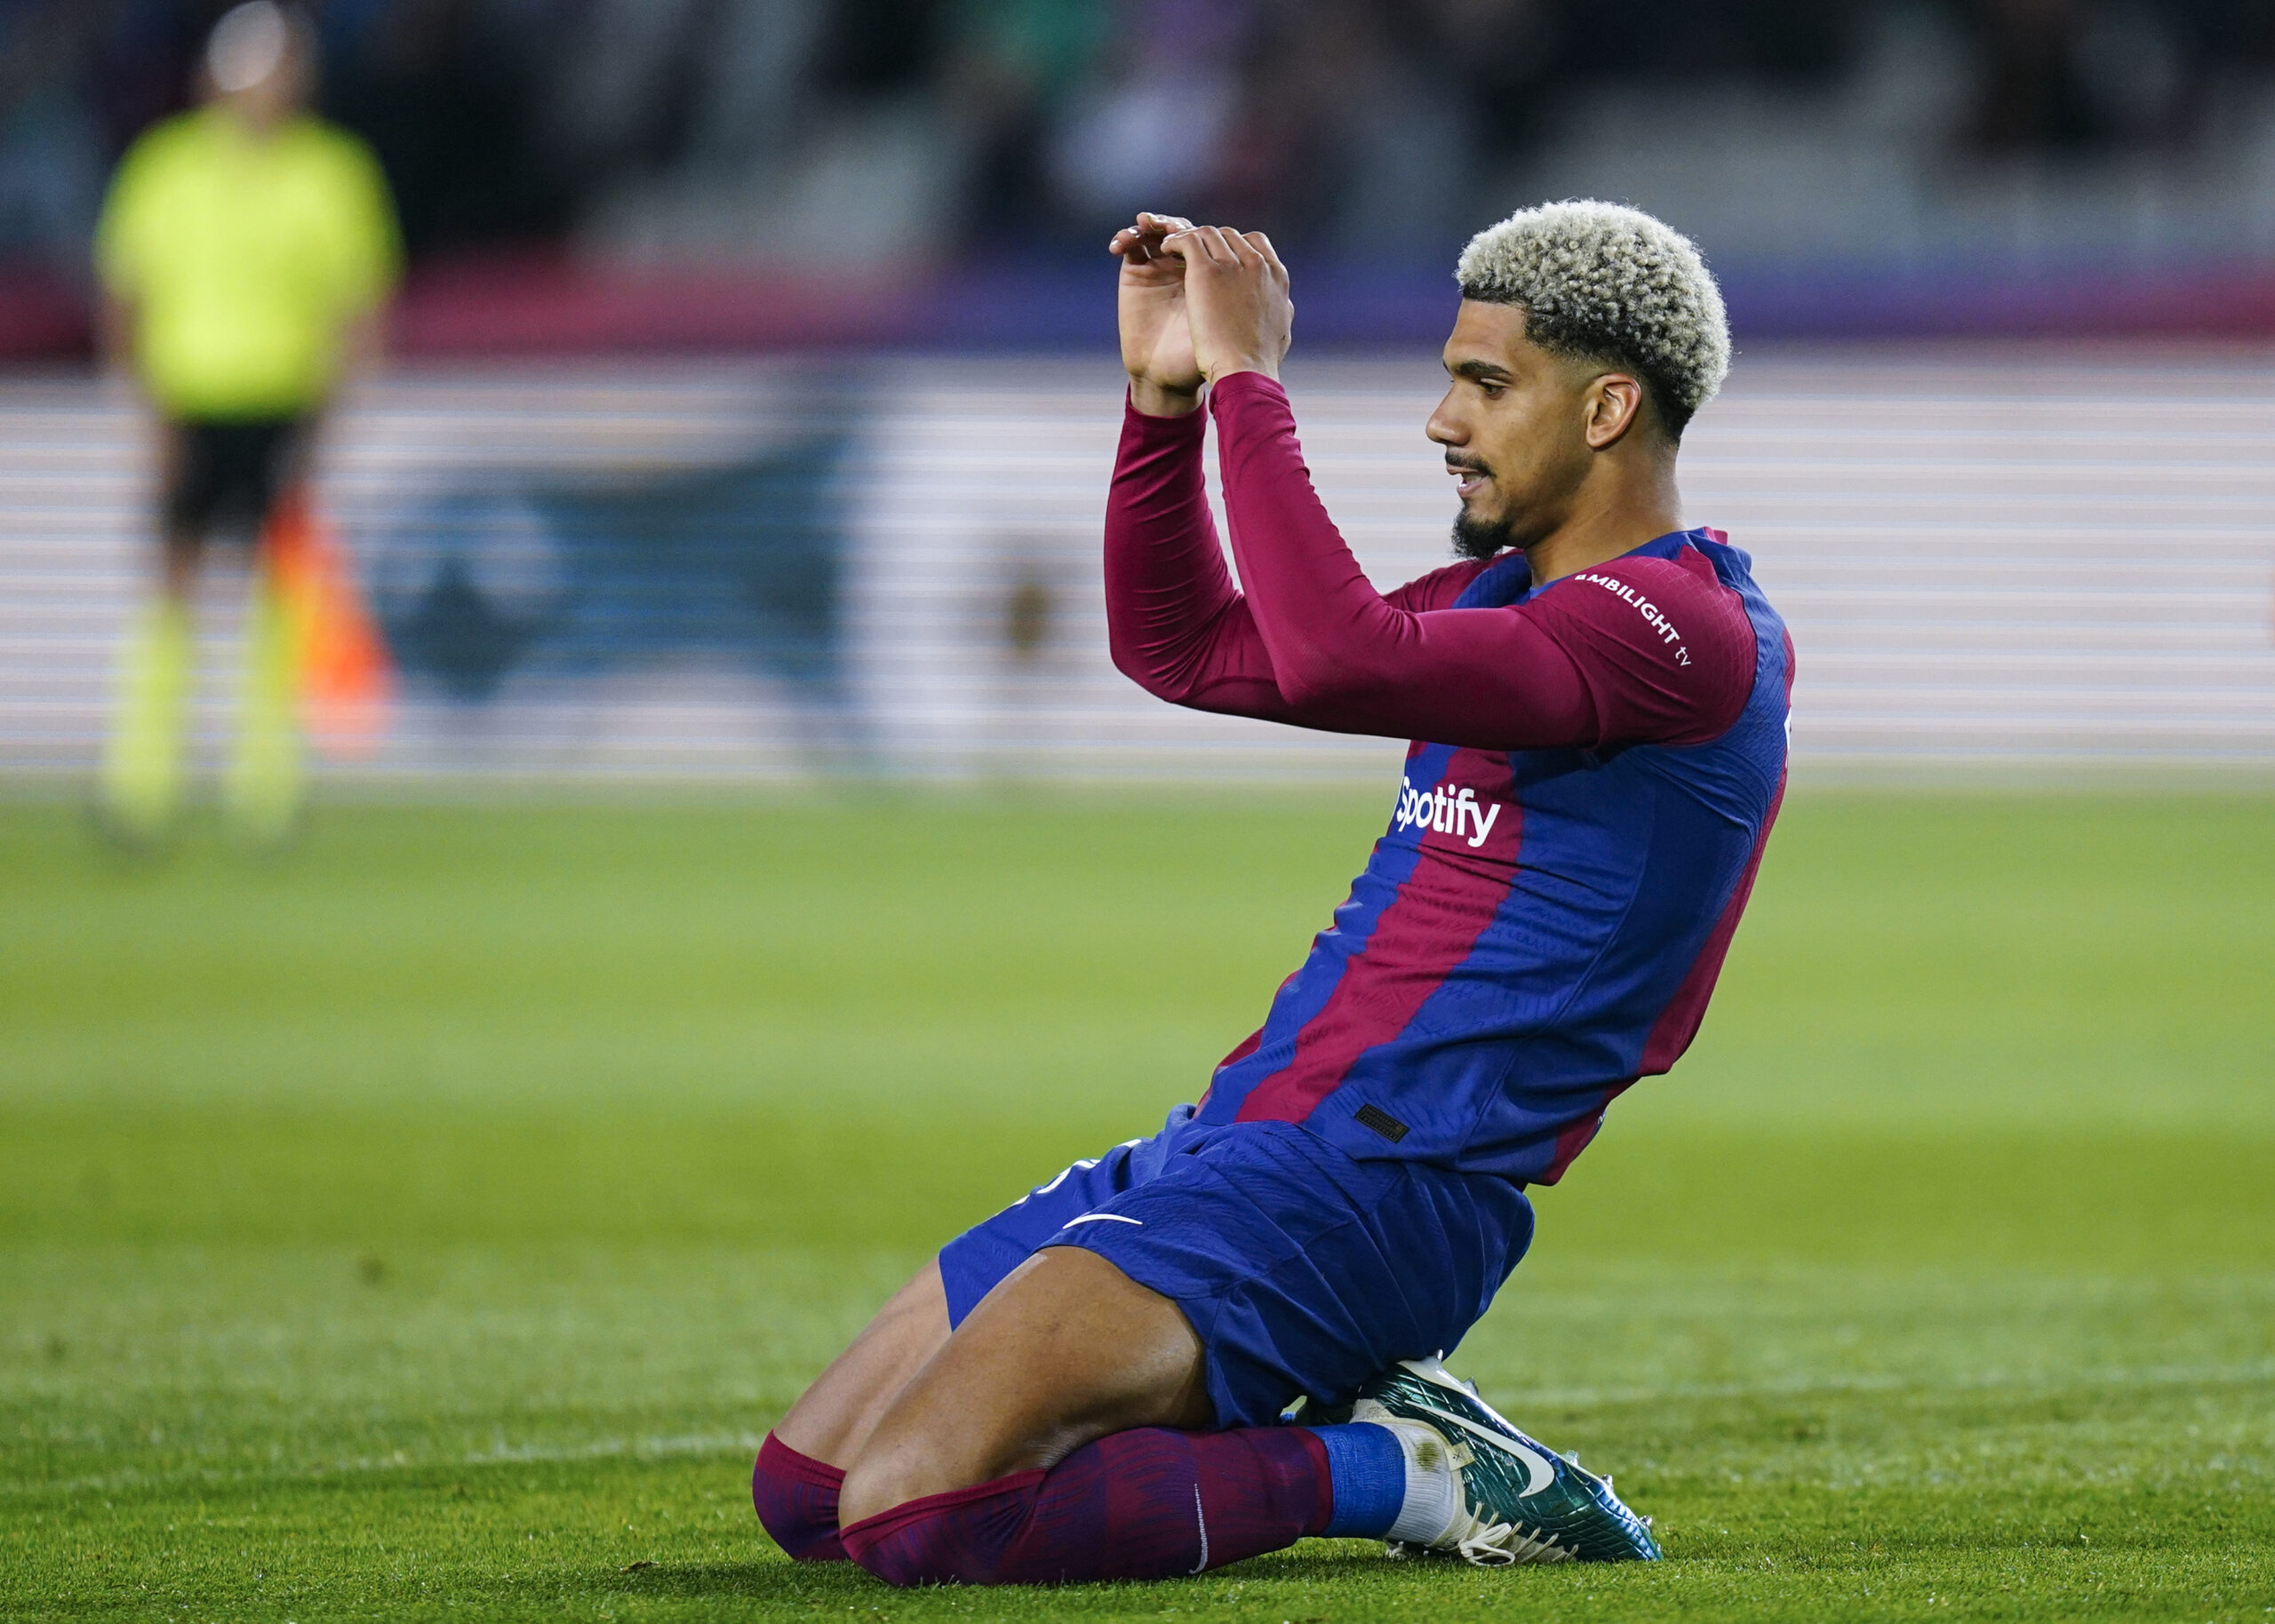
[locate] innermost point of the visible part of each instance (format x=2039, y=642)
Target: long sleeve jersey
x=1595, y=766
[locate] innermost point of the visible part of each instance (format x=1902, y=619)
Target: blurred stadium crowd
x=793, y=130
x=650, y=553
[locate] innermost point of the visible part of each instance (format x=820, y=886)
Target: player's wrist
x=1156, y=400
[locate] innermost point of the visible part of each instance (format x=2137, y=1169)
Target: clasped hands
x=1197, y=303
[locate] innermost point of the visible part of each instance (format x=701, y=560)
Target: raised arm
x=1177, y=625
x=1582, y=665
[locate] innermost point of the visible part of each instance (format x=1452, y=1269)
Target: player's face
x=280, y=94
x=1514, y=426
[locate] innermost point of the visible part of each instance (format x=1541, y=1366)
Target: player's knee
x=882, y=1481
x=797, y=1498
x=916, y=1455
x=925, y=1447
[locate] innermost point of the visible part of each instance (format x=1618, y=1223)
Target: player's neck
x=1610, y=517
x=258, y=120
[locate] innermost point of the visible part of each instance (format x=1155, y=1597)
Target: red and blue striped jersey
x=1535, y=929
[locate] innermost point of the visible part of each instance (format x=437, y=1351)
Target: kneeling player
x=1090, y=1385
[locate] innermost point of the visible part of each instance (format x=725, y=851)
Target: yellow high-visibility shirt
x=242, y=259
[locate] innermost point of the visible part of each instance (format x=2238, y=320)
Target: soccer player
x=1091, y=1384
x=244, y=249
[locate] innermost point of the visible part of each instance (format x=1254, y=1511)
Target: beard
x=1481, y=538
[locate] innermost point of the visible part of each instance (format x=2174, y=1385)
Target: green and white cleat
x=1519, y=1500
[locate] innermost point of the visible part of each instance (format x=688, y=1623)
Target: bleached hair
x=1600, y=282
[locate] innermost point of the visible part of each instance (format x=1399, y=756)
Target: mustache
x=1462, y=464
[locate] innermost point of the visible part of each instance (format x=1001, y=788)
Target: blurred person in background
x=245, y=250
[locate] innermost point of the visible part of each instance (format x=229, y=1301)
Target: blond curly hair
x=1602, y=281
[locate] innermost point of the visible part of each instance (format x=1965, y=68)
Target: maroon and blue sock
x=796, y=1497
x=1150, y=1503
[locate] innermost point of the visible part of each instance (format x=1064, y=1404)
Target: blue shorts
x=1303, y=1270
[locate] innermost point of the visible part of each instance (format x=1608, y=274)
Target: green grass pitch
x=429, y=1224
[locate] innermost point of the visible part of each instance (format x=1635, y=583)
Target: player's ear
x=1614, y=404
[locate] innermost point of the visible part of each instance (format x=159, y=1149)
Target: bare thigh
x=1064, y=1350
x=834, y=1417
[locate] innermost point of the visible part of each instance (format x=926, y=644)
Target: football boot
x=1522, y=1501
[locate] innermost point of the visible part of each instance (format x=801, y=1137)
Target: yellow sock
x=262, y=791
x=142, y=771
